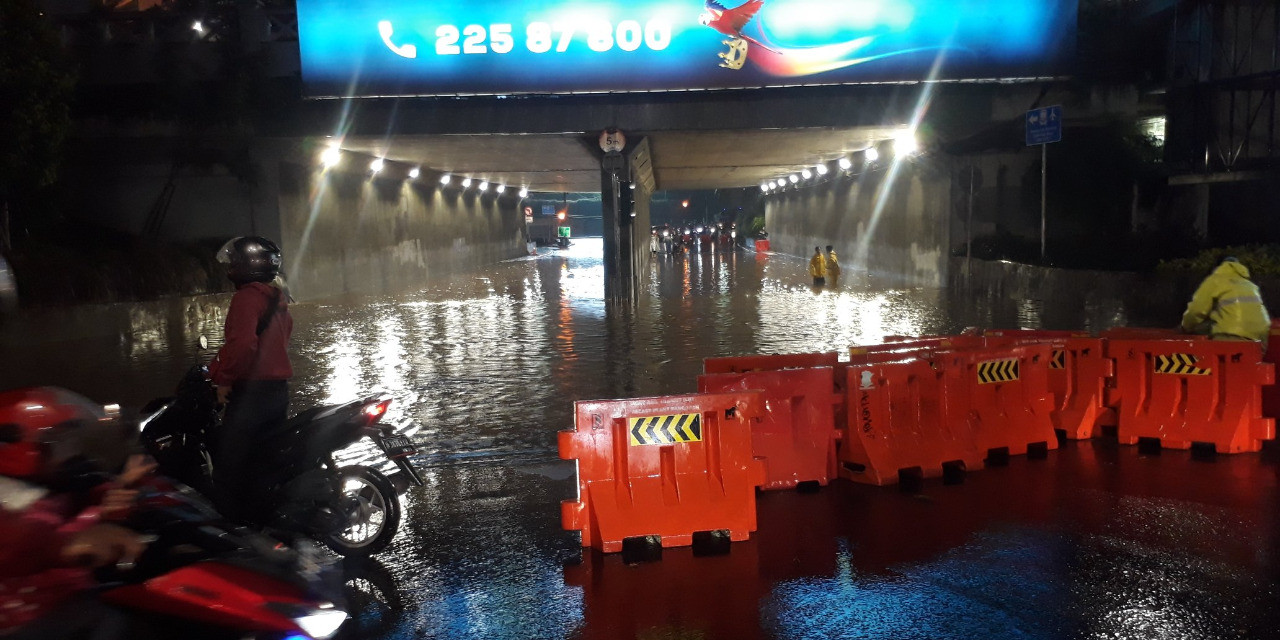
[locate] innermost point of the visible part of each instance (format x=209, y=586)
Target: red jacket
x=32, y=578
x=247, y=355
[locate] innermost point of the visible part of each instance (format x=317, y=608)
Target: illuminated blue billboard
x=463, y=47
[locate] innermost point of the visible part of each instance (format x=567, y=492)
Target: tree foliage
x=35, y=94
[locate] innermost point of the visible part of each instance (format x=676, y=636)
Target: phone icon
x=404, y=51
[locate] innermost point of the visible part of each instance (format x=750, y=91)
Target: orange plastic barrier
x=1144, y=333
x=762, y=245
x=1271, y=393
x=1079, y=374
x=1003, y=336
x=891, y=351
x=897, y=422
x=666, y=467
x=797, y=436
x=743, y=364
x=1192, y=391
x=1002, y=393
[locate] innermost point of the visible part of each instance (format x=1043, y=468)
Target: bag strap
x=272, y=307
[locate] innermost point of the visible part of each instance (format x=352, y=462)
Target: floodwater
x=1097, y=541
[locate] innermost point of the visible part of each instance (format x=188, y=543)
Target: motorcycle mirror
x=204, y=342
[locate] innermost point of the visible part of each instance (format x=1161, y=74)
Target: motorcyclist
x=252, y=369
x=1228, y=306
x=56, y=505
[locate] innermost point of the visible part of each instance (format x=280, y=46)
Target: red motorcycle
x=201, y=577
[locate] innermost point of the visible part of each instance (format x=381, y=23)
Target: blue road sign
x=1044, y=126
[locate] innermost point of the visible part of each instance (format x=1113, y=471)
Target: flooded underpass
x=1097, y=541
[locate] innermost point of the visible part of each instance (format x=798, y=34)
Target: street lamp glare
x=846, y=164
x=414, y=173
x=871, y=154
x=445, y=179
x=376, y=165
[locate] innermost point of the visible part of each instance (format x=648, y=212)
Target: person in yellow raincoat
x=818, y=268
x=1228, y=306
x=833, y=265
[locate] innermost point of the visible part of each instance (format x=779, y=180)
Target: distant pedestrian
x=818, y=268
x=833, y=265
x=1228, y=306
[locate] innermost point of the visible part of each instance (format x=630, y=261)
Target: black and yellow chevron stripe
x=672, y=429
x=1180, y=364
x=1058, y=360
x=993, y=371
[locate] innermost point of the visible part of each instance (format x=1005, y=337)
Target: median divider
x=797, y=435
x=663, y=469
x=1182, y=392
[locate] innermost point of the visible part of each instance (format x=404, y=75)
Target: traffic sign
x=1044, y=126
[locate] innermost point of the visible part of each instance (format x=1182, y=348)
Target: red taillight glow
x=375, y=411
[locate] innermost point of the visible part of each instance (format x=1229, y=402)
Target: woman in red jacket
x=252, y=369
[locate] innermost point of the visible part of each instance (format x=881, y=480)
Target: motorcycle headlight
x=321, y=623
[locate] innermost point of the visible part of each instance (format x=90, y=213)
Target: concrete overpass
x=361, y=231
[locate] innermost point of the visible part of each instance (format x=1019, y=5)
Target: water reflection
x=486, y=367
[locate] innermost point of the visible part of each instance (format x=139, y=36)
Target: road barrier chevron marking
x=1180, y=364
x=993, y=371
x=1059, y=359
x=663, y=430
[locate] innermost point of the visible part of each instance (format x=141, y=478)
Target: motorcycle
x=354, y=509
x=200, y=577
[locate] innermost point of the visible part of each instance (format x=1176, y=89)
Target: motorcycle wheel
x=372, y=509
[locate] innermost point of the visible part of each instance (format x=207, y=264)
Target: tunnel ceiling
x=569, y=161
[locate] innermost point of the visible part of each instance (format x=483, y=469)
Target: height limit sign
x=1044, y=126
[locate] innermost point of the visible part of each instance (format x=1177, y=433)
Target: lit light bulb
x=905, y=144
x=414, y=173
x=794, y=178
x=765, y=187
x=821, y=169
x=846, y=164
x=484, y=186
x=806, y=174
x=331, y=157
x=871, y=154
x=376, y=165
x=524, y=192
x=466, y=183
x=445, y=179
x=501, y=188
x=780, y=183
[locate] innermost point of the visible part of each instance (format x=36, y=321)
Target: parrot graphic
x=730, y=22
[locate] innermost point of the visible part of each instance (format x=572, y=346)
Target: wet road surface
x=1097, y=541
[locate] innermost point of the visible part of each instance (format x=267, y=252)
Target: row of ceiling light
x=332, y=157
x=904, y=145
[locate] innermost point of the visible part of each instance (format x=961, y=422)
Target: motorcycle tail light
x=375, y=411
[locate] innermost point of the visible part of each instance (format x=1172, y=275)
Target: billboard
x=487, y=47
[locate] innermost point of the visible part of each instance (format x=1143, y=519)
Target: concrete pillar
x=617, y=242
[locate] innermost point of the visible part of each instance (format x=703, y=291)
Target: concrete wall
x=172, y=187
x=346, y=233
x=890, y=222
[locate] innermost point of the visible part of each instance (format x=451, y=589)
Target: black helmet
x=250, y=259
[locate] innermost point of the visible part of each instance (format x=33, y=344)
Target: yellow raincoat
x=818, y=266
x=1228, y=306
x=833, y=264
